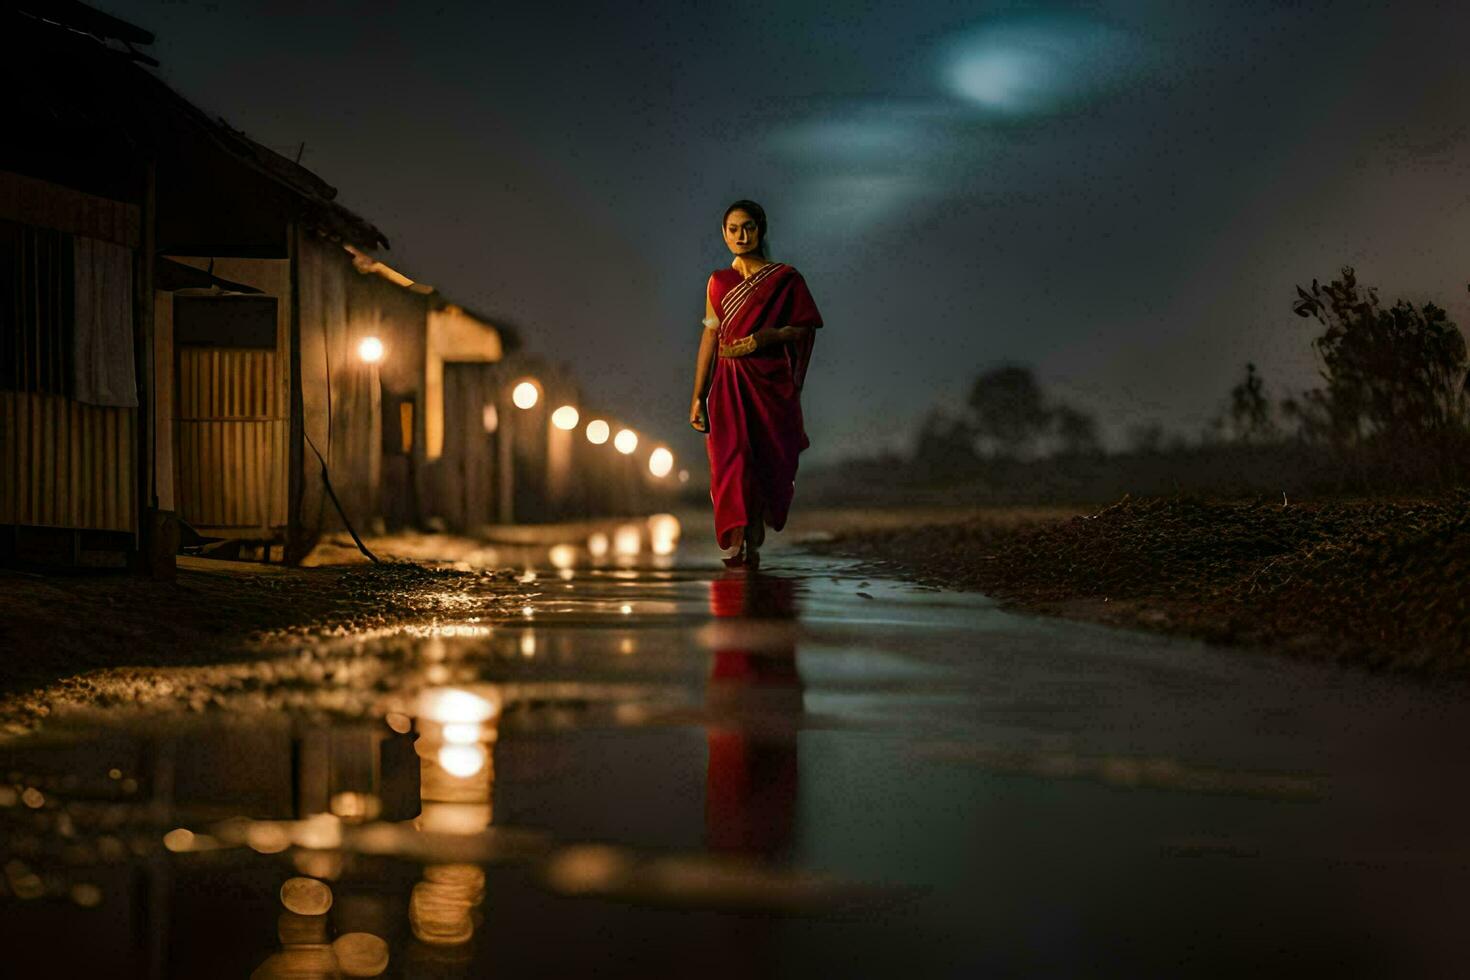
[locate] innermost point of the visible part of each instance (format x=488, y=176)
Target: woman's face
x=742, y=237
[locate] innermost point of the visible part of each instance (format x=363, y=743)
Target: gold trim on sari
x=735, y=298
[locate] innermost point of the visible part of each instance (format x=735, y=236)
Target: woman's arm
x=777, y=335
x=709, y=346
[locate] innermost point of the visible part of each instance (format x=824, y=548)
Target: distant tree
x=1146, y=437
x=1396, y=373
x=945, y=444
x=1252, y=419
x=1076, y=431
x=1009, y=410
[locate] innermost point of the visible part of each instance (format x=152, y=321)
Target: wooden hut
x=183, y=324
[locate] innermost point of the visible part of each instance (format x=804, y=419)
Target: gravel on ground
x=1380, y=583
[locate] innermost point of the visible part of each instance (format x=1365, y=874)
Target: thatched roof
x=76, y=72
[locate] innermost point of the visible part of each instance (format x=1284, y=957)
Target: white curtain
x=103, y=328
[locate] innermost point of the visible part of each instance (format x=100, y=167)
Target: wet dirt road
x=661, y=769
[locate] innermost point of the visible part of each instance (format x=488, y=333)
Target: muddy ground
x=73, y=628
x=1379, y=583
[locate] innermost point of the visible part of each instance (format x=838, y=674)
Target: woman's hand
x=697, y=416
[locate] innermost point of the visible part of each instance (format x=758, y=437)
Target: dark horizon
x=1122, y=196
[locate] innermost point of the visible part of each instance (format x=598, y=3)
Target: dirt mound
x=1373, y=581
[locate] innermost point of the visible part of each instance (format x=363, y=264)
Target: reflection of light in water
x=664, y=524
x=354, y=806
x=462, y=733
x=318, y=864
x=597, y=545
x=462, y=760
x=321, y=831
x=293, y=929
x=456, y=779
x=87, y=895
x=361, y=954
x=625, y=609
x=663, y=533
x=627, y=540
x=24, y=883
x=267, y=838
x=299, y=963
x=179, y=839
x=562, y=556
x=451, y=704
x=626, y=645
x=451, y=629
x=529, y=575
x=567, y=574
x=439, y=910
x=528, y=644
x=306, y=896
x=586, y=868
x=528, y=611
x=463, y=819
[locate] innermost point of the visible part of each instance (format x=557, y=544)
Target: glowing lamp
x=597, y=432
x=625, y=441
x=525, y=395
x=565, y=418
x=370, y=350
x=660, y=462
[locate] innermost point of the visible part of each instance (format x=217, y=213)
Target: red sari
x=755, y=423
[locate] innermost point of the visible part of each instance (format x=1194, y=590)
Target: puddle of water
x=661, y=772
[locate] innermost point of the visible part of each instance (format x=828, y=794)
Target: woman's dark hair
x=756, y=212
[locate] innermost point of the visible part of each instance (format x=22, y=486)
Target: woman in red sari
x=759, y=329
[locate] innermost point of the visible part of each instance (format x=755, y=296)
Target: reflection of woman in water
x=754, y=700
x=759, y=323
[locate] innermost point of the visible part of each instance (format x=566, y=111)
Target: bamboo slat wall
x=66, y=464
x=232, y=438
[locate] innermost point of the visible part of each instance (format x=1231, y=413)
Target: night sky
x=1121, y=194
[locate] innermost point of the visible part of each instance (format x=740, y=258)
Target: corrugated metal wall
x=232, y=438
x=65, y=464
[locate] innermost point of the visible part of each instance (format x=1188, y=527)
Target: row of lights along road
x=525, y=395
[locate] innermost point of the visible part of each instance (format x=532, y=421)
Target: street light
x=565, y=417
x=625, y=441
x=660, y=462
x=370, y=350
x=597, y=432
x=525, y=395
